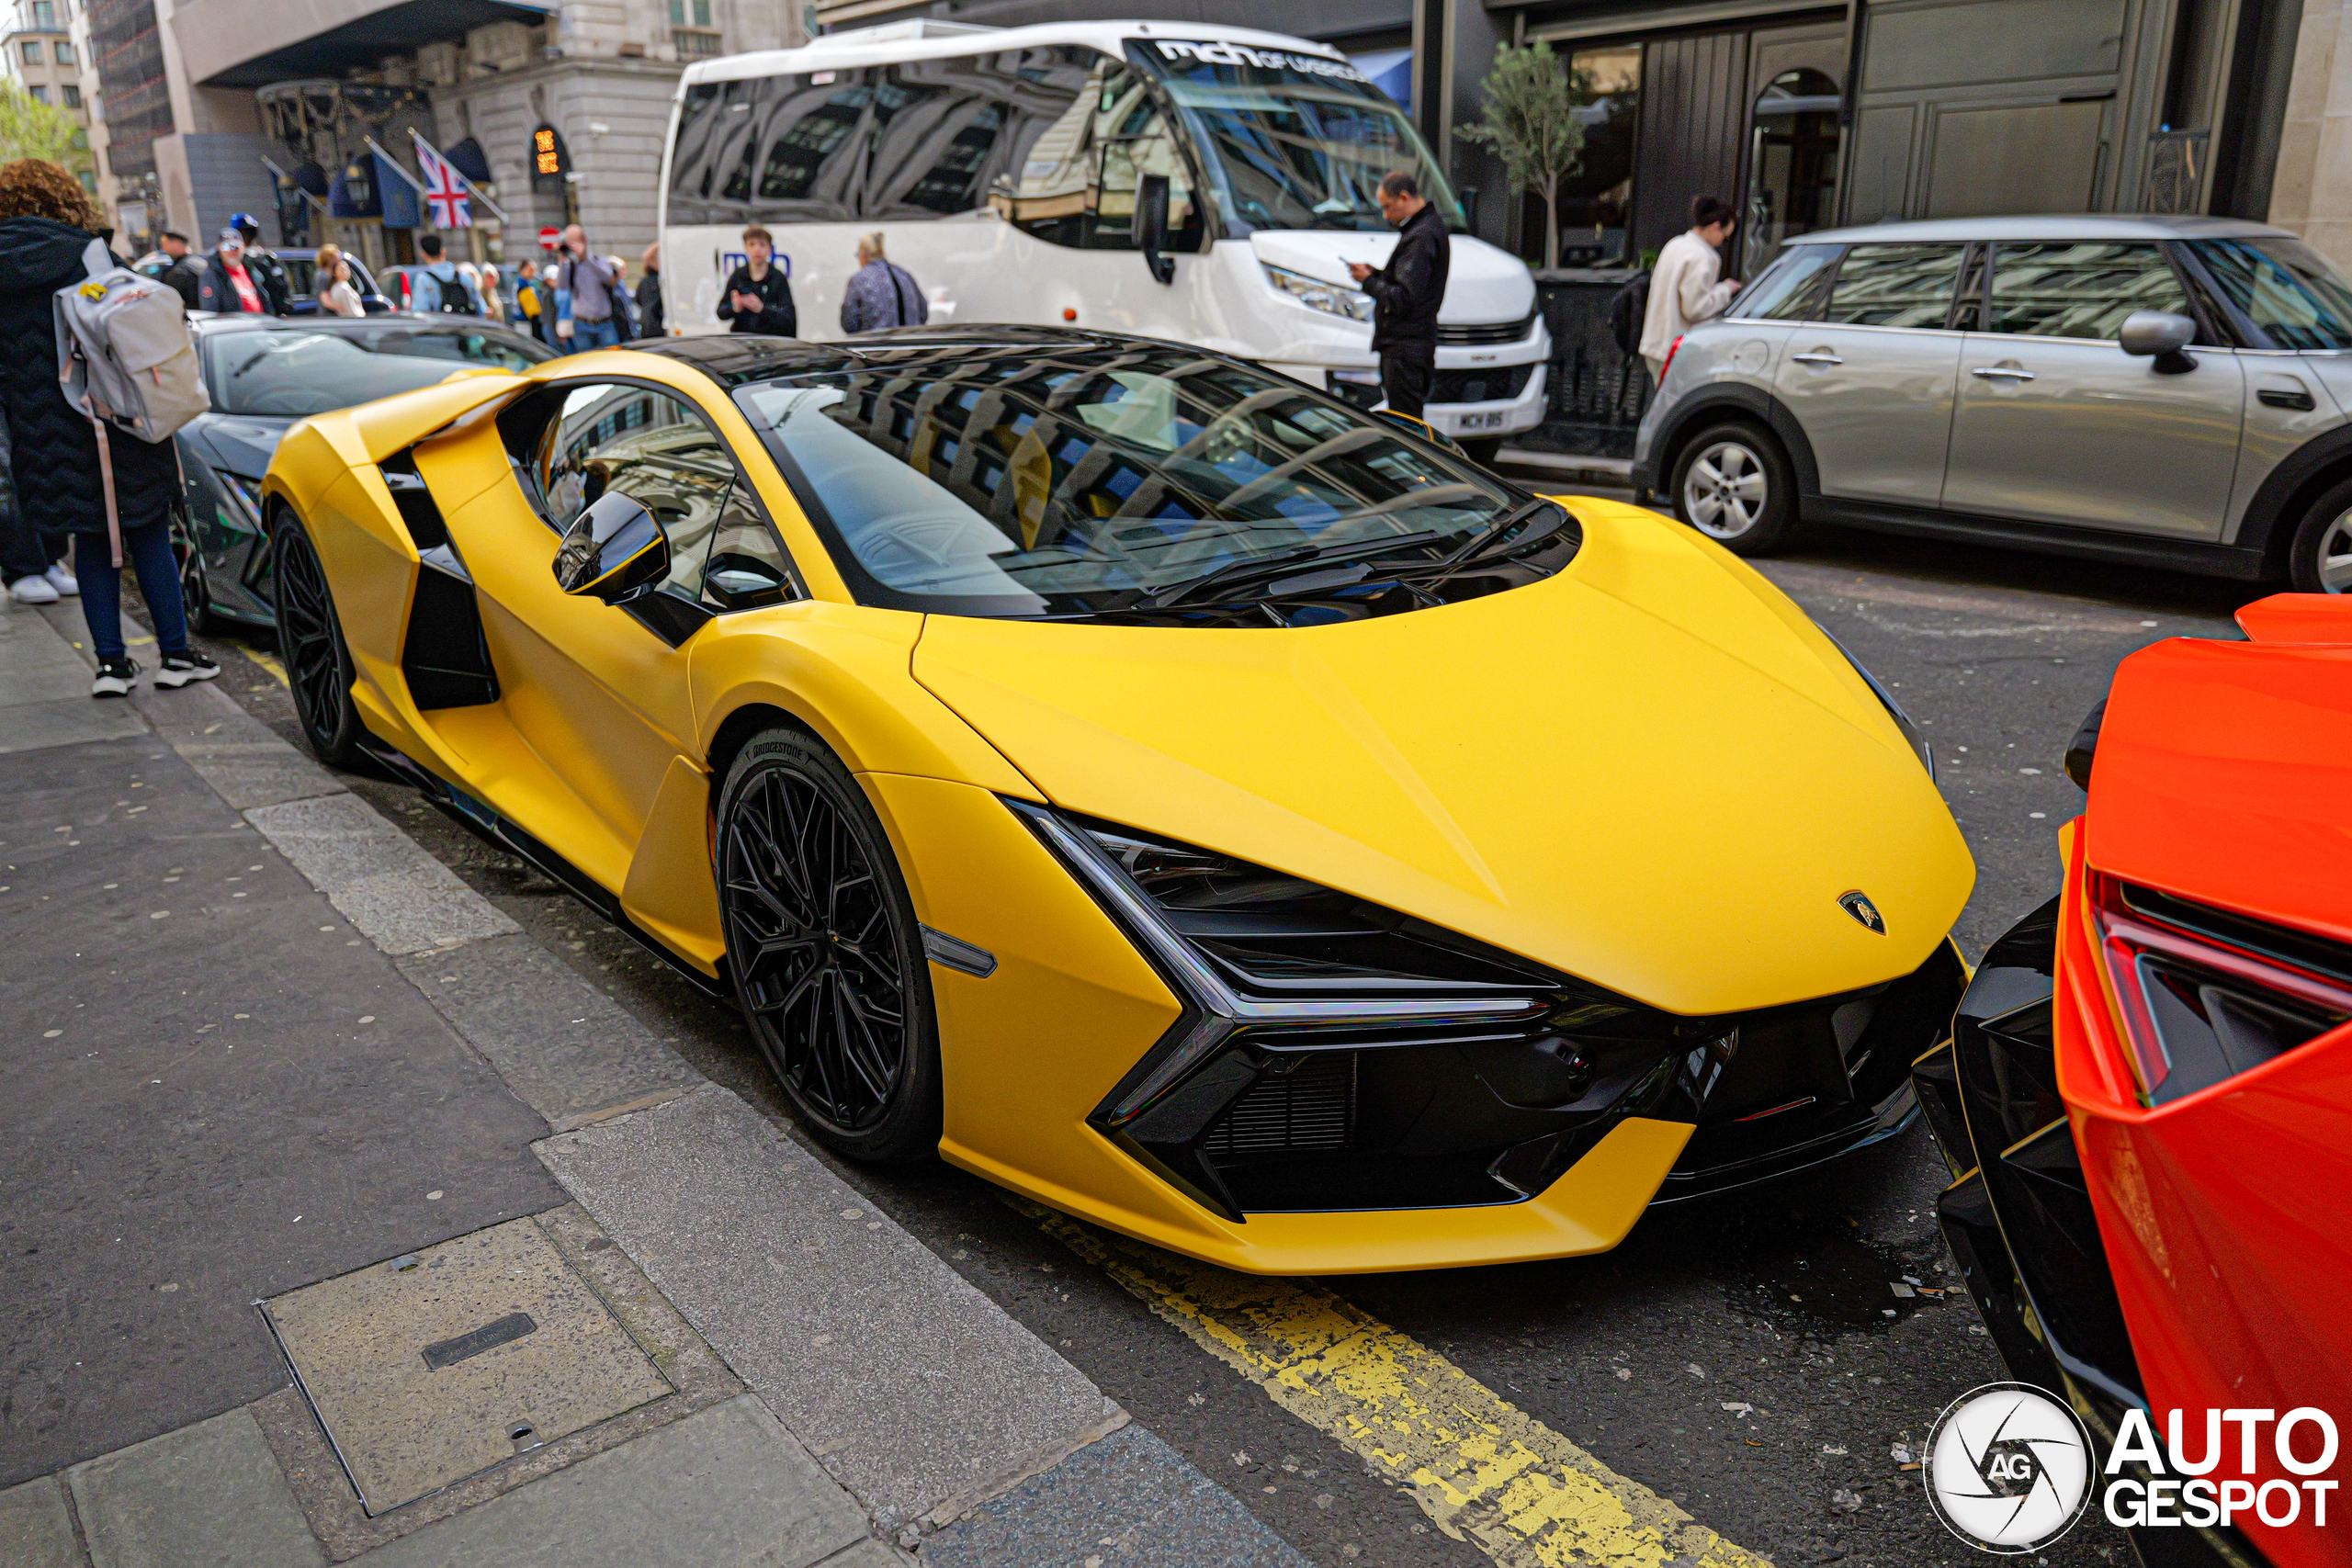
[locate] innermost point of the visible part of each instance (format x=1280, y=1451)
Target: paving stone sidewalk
x=349, y=1034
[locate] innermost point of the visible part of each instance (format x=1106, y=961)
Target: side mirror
x=613, y=551
x=2083, y=747
x=2161, y=335
x=1151, y=227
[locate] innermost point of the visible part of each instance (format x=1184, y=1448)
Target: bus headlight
x=1318, y=295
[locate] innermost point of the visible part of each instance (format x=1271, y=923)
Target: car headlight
x=1317, y=295
x=1318, y=1027
x=1902, y=720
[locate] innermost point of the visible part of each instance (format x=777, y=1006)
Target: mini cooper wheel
x=823, y=948
x=2319, y=557
x=1733, y=484
x=310, y=644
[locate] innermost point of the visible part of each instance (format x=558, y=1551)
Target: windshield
x=1292, y=140
x=293, y=371
x=1058, y=479
x=2285, y=287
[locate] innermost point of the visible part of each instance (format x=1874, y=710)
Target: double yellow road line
x=1482, y=1470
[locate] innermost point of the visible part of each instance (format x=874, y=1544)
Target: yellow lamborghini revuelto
x=1157, y=786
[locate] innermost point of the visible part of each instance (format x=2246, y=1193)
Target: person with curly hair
x=45, y=228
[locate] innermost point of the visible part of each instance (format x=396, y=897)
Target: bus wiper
x=1251, y=568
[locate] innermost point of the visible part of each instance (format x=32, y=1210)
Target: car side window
x=651, y=446
x=1791, y=290
x=2080, y=289
x=1895, y=286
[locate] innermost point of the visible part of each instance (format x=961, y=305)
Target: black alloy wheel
x=195, y=588
x=824, y=951
x=310, y=644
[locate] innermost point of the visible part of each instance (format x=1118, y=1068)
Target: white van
x=1017, y=174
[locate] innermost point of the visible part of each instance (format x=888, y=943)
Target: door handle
x=2001, y=372
x=1816, y=357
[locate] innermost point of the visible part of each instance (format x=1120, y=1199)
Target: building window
x=62, y=52
x=1596, y=202
x=44, y=14
x=690, y=13
x=31, y=51
x=89, y=181
x=38, y=95
x=73, y=96
x=692, y=44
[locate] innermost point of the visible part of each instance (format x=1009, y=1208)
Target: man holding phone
x=590, y=284
x=759, y=296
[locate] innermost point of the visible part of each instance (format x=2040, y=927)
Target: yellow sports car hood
x=1650, y=771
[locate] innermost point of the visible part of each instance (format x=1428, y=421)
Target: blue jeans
x=587, y=335
x=148, y=551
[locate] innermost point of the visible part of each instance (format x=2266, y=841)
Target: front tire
x=1734, y=484
x=195, y=587
x=824, y=951
x=310, y=646
x=1484, y=451
x=2319, y=557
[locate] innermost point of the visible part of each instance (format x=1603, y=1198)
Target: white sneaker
x=62, y=580
x=33, y=590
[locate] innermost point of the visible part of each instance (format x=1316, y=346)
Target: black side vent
x=418, y=512
x=445, y=656
x=1311, y=1107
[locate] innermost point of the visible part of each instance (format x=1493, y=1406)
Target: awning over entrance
x=234, y=43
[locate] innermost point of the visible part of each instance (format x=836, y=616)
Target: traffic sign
x=548, y=236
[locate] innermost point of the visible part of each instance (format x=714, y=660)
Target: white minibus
x=1207, y=184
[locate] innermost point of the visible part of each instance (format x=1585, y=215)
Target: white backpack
x=125, y=358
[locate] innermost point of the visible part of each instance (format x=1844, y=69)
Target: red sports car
x=2146, y=1101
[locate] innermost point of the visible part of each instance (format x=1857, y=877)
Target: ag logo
x=2009, y=1468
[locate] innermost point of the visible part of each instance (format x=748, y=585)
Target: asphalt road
x=1744, y=1356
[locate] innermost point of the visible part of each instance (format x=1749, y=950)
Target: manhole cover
x=428, y=1367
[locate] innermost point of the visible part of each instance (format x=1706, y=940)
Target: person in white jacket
x=1684, y=289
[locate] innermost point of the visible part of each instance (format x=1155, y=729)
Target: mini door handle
x=2287, y=398
x=2000, y=372
x=1817, y=356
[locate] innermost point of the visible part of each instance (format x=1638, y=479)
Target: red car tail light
x=2205, y=995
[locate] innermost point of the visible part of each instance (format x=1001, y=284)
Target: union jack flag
x=445, y=201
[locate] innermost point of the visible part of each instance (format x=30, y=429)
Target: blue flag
x=397, y=189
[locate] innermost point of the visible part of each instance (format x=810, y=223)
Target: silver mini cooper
x=2171, y=391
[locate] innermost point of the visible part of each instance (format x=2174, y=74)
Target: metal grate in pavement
x=430, y=1367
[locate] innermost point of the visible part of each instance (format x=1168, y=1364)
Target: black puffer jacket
x=54, y=453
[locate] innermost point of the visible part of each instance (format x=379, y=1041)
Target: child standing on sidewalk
x=45, y=224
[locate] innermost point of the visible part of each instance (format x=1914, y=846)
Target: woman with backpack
x=45, y=229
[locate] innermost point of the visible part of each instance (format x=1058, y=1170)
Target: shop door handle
x=2001, y=372
x=1816, y=357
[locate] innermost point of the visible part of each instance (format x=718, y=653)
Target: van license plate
x=1469, y=422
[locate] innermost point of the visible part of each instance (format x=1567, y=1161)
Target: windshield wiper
x=1249, y=568
x=1486, y=537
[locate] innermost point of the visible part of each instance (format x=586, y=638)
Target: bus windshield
x=1292, y=140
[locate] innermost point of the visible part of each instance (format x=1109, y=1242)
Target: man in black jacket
x=759, y=296
x=1406, y=293
x=182, y=273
